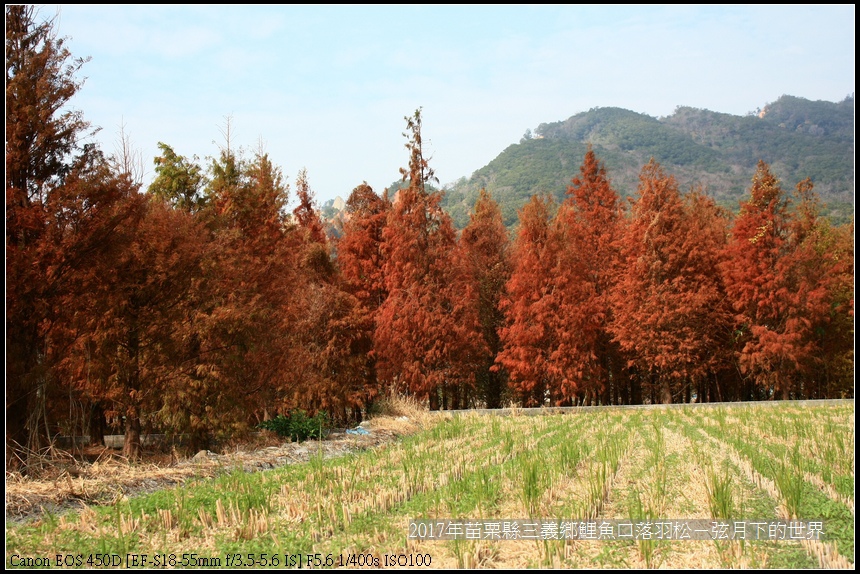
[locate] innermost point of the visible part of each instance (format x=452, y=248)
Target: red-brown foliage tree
x=716, y=378
x=527, y=338
x=360, y=259
x=776, y=301
x=427, y=338
x=63, y=207
x=258, y=253
x=360, y=253
x=485, y=248
x=587, y=228
x=819, y=292
x=130, y=351
x=331, y=329
x=306, y=215
x=835, y=371
x=667, y=299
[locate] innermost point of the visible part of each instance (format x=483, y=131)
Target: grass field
x=739, y=462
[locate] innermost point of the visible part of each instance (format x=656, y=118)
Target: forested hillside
x=716, y=152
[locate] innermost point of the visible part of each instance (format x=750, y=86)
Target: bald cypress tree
x=485, y=251
x=527, y=337
x=668, y=300
x=427, y=339
x=756, y=285
x=588, y=227
x=61, y=209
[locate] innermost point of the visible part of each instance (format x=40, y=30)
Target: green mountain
x=718, y=152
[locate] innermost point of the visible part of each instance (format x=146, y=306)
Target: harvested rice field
x=586, y=488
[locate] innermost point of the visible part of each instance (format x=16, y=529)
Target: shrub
x=298, y=425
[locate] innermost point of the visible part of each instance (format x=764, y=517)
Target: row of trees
x=200, y=306
x=676, y=300
x=203, y=305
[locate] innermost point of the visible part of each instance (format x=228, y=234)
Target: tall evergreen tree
x=426, y=338
x=527, y=337
x=62, y=207
x=754, y=274
x=485, y=249
x=360, y=260
x=178, y=180
x=667, y=302
x=588, y=227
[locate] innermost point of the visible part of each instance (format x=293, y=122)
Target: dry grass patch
x=404, y=415
x=67, y=483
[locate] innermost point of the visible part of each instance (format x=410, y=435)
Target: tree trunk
x=16, y=431
x=665, y=392
x=494, y=390
x=605, y=395
x=199, y=440
x=434, y=400
x=98, y=424
x=455, y=398
x=635, y=390
x=131, y=444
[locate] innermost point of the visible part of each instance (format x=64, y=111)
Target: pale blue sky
x=326, y=87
